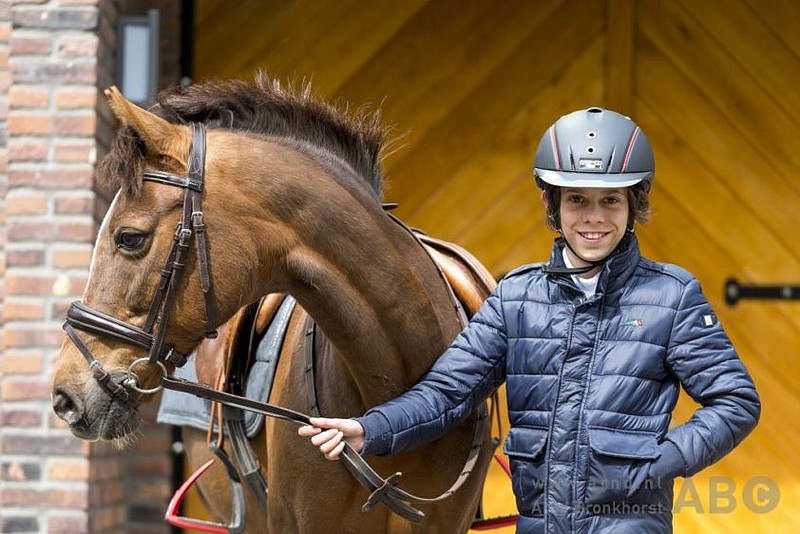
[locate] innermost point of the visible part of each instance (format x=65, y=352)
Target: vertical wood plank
x=619, y=56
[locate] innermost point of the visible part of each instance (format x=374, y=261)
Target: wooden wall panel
x=470, y=87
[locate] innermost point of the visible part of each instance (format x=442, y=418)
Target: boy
x=593, y=347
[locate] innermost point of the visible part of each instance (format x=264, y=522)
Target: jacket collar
x=617, y=270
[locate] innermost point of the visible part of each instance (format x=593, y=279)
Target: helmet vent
x=591, y=135
x=590, y=150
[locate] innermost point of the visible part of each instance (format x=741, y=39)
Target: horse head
x=262, y=213
x=104, y=371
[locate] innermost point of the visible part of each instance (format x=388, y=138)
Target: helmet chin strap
x=591, y=264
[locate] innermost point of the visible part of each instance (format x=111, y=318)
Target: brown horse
x=290, y=203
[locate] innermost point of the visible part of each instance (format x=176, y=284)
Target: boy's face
x=593, y=221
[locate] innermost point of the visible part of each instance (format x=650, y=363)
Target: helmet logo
x=587, y=164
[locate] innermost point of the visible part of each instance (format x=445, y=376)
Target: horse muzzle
x=93, y=414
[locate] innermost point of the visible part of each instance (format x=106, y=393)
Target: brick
x=59, y=523
x=66, y=445
x=59, y=309
x=106, y=493
x=26, y=202
x=29, y=124
x=14, y=523
x=62, y=72
x=29, y=284
x=71, y=258
x=109, y=519
x=78, y=45
x=76, y=152
x=50, y=497
x=149, y=464
x=107, y=469
x=22, y=363
x=27, y=230
x=75, y=125
x=28, y=97
x=16, y=310
x=5, y=29
x=20, y=418
x=5, y=81
x=21, y=471
x=68, y=470
x=55, y=19
x=28, y=151
x=76, y=98
x=26, y=337
x=28, y=390
x=74, y=204
x=81, y=231
x=31, y=45
x=80, y=2
x=77, y=178
x=25, y=258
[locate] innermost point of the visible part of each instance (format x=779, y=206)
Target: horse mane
x=263, y=107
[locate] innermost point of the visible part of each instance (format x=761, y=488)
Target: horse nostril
x=65, y=407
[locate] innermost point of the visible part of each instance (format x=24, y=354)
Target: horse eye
x=129, y=240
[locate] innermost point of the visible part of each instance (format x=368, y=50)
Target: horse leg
x=214, y=486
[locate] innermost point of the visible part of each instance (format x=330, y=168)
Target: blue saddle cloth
x=183, y=409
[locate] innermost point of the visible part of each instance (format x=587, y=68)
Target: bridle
x=151, y=335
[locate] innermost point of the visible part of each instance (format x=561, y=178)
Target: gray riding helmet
x=594, y=147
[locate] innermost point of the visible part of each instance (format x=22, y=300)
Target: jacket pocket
x=525, y=447
x=618, y=464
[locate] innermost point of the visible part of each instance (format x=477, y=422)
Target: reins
x=151, y=337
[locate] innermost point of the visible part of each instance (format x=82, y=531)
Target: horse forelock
x=123, y=166
x=266, y=107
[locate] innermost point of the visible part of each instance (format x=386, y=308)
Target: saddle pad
x=181, y=409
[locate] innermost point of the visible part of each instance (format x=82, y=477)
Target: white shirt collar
x=587, y=285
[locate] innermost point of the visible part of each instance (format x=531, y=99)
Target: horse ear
x=160, y=136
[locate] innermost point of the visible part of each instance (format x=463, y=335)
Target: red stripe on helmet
x=554, y=144
x=629, y=149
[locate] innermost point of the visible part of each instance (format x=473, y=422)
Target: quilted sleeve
x=703, y=359
x=461, y=378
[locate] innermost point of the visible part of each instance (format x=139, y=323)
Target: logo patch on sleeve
x=709, y=320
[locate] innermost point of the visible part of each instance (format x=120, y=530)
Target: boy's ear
x=543, y=196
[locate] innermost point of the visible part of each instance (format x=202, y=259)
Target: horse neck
x=365, y=280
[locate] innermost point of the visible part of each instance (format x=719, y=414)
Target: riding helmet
x=594, y=147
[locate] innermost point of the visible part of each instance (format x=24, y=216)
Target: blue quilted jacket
x=591, y=384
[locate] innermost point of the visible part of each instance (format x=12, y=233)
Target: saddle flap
x=214, y=357
x=472, y=283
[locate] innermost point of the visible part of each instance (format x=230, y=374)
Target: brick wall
x=55, y=56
